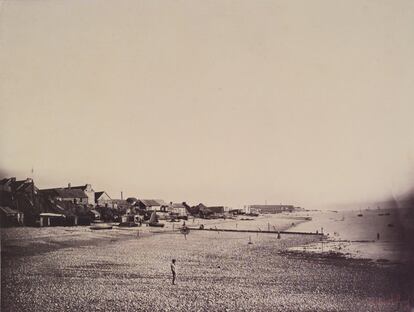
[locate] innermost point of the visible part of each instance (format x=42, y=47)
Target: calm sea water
x=355, y=233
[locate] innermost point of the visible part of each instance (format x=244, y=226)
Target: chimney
x=69, y=186
x=122, y=196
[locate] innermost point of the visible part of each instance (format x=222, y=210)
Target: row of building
x=22, y=203
x=271, y=209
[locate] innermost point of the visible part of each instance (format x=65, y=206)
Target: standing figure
x=173, y=271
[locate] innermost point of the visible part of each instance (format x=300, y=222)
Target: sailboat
x=360, y=213
x=153, y=221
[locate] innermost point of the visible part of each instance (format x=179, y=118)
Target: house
x=178, y=209
x=151, y=204
x=103, y=199
x=75, y=196
x=271, y=208
x=10, y=217
x=216, y=209
x=22, y=196
x=87, y=189
x=75, y=213
x=12, y=187
x=210, y=211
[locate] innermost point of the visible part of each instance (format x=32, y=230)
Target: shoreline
x=33, y=240
x=217, y=271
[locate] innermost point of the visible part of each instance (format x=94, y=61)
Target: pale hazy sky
x=222, y=102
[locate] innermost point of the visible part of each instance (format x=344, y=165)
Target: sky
x=220, y=102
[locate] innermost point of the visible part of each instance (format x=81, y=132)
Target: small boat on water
x=101, y=226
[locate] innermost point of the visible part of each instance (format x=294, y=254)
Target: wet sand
x=115, y=270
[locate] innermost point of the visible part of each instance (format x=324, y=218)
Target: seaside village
x=24, y=204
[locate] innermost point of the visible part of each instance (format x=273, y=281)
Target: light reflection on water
x=357, y=236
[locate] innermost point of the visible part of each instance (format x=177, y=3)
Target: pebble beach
x=69, y=269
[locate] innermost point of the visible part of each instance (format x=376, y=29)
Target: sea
x=382, y=235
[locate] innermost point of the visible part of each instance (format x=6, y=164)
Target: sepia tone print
x=207, y=155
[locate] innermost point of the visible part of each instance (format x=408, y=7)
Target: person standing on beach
x=173, y=271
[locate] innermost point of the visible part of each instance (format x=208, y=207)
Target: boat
x=153, y=221
x=156, y=224
x=128, y=224
x=101, y=226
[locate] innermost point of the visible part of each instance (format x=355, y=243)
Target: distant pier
x=257, y=231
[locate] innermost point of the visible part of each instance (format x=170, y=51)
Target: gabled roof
x=152, y=202
x=216, y=209
x=201, y=206
x=7, y=181
x=99, y=194
x=79, y=187
x=64, y=193
x=19, y=186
